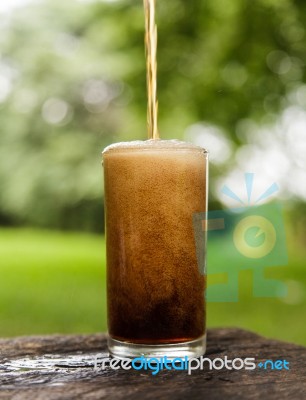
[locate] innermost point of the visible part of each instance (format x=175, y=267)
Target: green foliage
x=72, y=80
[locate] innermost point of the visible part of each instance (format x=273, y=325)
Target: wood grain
x=68, y=378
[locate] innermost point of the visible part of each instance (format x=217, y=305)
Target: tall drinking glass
x=155, y=289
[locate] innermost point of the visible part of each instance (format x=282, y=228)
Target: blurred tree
x=72, y=80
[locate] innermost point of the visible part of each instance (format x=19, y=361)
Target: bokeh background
x=231, y=78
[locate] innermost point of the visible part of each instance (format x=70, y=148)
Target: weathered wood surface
x=54, y=367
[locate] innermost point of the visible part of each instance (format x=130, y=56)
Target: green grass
x=51, y=282
x=54, y=282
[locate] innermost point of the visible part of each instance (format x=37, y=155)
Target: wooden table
x=61, y=367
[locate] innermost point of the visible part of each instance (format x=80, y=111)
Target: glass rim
x=153, y=145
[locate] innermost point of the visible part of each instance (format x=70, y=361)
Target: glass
x=155, y=290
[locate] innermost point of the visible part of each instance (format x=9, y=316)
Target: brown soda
x=155, y=292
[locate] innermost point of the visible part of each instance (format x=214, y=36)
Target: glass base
x=195, y=348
